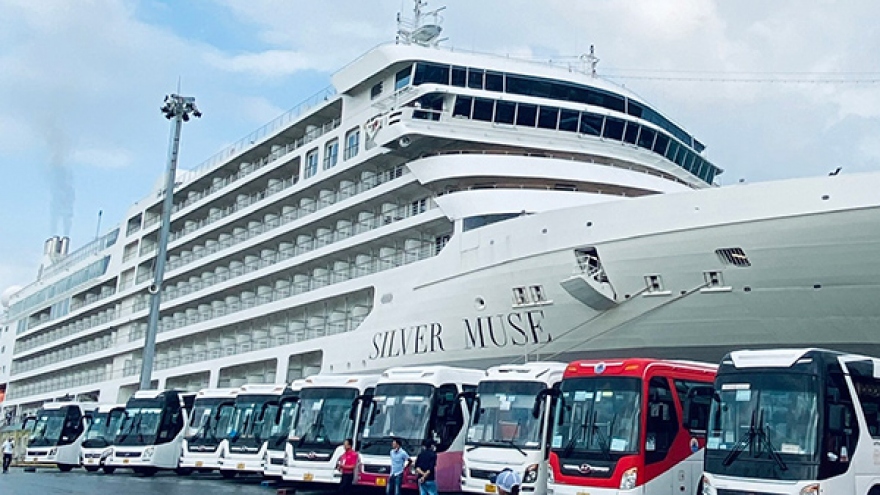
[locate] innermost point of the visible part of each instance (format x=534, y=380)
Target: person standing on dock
x=8, y=448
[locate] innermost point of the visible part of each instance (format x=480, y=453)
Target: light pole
x=177, y=108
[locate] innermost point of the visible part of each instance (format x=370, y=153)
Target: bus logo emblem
x=600, y=368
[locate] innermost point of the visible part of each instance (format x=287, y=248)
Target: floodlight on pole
x=178, y=109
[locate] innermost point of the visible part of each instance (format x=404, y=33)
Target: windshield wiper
x=604, y=443
x=767, y=445
x=571, y=442
x=744, y=441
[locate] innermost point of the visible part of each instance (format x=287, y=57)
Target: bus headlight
x=812, y=489
x=148, y=453
x=531, y=474
x=628, y=480
x=708, y=489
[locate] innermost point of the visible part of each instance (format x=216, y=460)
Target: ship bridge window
x=661, y=144
x=483, y=109
x=505, y=112
x=403, y=77
x=459, y=76
x=494, y=81
x=475, y=78
x=463, y=106
x=613, y=129
x=591, y=124
x=471, y=223
x=631, y=133
x=568, y=120
x=431, y=74
x=526, y=115
x=646, y=138
x=431, y=106
x=548, y=118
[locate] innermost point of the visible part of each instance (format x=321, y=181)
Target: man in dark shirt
x=426, y=464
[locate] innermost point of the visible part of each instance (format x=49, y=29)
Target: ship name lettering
x=416, y=339
x=516, y=328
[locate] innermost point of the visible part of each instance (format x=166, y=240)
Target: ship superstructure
x=443, y=206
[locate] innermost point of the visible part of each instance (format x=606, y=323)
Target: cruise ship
x=440, y=206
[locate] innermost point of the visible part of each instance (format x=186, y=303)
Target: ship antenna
x=420, y=30
x=591, y=59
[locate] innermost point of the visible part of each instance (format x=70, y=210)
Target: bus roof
x=217, y=393
x=106, y=408
x=785, y=358
x=538, y=371
x=360, y=382
x=434, y=375
x=58, y=405
x=262, y=389
x=634, y=367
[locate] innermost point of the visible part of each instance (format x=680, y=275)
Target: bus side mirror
x=553, y=393
x=695, y=409
x=836, y=414
x=363, y=399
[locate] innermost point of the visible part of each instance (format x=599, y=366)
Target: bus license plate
x=90, y=461
x=240, y=465
x=490, y=488
x=125, y=461
x=199, y=463
x=308, y=477
x=381, y=481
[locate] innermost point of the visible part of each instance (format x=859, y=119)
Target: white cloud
x=270, y=63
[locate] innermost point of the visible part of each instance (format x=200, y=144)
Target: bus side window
x=448, y=417
x=841, y=430
x=696, y=399
x=661, y=422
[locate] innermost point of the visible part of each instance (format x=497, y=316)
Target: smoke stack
x=63, y=246
x=51, y=246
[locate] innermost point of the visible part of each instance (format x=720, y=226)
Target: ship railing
x=249, y=168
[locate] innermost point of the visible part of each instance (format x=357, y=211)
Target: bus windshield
x=140, y=426
x=207, y=421
x=250, y=412
x=505, y=416
x=48, y=427
x=323, y=417
x=103, y=429
x=762, y=417
x=279, y=430
x=400, y=410
x=598, y=417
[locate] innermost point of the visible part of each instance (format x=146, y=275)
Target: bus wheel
x=91, y=469
x=228, y=474
x=65, y=467
x=875, y=490
x=145, y=471
x=183, y=471
x=108, y=469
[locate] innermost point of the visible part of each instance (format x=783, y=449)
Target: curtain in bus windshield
x=773, y=411
x=598, y=415
x=505, y=415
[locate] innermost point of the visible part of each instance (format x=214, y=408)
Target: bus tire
x=228, y=475
x=145, y=471
x=183, y=471
x=91, y=469
x=64, y=468
x=875, y=490
x=108, y=469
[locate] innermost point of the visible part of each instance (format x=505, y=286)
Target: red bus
x=630, y=426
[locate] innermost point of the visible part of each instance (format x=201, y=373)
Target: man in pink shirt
x=346, y=464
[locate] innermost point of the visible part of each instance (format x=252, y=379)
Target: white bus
x=276, y=440
x=332, y=408
x=58, y=432
x=207, y=426
x=794, y=421
x=416, y=404
x=244, y=449
x=152, y=432
x=97, y=445
x=504, y=433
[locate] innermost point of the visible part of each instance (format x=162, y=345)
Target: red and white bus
x=415, y=404
x=627, y=426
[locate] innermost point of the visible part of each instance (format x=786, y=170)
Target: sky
x=776, y=90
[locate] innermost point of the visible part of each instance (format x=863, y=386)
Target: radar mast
x=423, y=29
